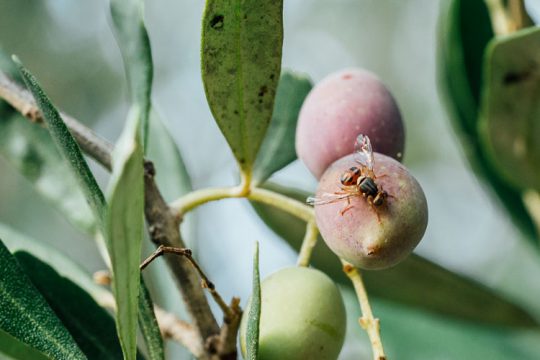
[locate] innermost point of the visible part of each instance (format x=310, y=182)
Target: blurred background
x=70, y=47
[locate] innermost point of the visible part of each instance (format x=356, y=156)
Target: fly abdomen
x=367, y=186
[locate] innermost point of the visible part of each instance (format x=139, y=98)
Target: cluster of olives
x=373, y=223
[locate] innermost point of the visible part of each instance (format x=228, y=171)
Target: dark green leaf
x=416, y=281
x=149, y=326
x=511, y=107
x=90, y=325
x=241, y=61
x=64, y=266
x=66, y=145
x=254, y=315
x=124, y=224
x=127, y=16
x=171, y=173
x=464, y=32
x=25, y=315
x=15, y=349
x=277, y=149
x=30, y=149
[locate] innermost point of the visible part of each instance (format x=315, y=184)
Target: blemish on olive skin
x=217, y=22
x=512, y=78
x=263, y=90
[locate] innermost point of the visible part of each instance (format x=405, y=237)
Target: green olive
x=302, y=316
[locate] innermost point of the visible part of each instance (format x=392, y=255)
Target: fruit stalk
x=367, y=321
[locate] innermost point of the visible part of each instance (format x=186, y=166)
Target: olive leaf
x=464, y=32
x=133, y=40
x=15, y=349
x=254, y=315
x=124, y=230
x=90, y=325
x=511, y=107
x=277, y=149
x=36, y=324
x=241, y=62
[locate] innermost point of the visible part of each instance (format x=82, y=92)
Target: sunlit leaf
x=25, y=315
x=416, y=281
x=124, y=224
x=241, y=62
x=254, y=315
x=511, y=107
x=277, y=149
x=133, y=40
x=464, y=32
x=90, y=325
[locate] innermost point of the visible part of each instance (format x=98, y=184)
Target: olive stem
x=531, y=199
x=367, y=321
x=500, y=20
x=308, y=244
x=196, y=198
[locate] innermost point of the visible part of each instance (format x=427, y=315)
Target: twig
x=308, y=244
x=518, y=14
x=500, y=21
x=225, y=343
x=205, y=282
x=367, y=321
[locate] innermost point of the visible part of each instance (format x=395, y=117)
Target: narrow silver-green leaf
x=149, y=326
x=511, y=107
x=415, y=282
x=133, y=40
x=124, y=224
x=65, y=143
x=464, y=32
x=29, y=148
x=254, y=315
x=90, y=325
x=14, y=349
x=25, y=315
x=241, y=62
x=277, y=149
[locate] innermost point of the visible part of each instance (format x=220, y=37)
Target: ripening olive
x=340, y=107
x=368, y=235
x=302, y=316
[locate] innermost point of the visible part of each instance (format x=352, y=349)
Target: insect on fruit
x=357, y=181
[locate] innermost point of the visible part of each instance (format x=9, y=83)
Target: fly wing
x=328, y=198
x=363, y=153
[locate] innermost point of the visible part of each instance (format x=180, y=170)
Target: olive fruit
x=372, y=234
x=302, y=316
x=340, y=107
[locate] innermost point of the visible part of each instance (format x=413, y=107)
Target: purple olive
x=369, y=234
x=340, y=107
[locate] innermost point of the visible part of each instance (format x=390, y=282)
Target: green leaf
x=13, y=348
x=124, y=224
x=415, y=282
x=241, y=62
x=90, y=325
x=277, y=149
x=254, y=315
x=172, y=176
x=65, y=143
x=15, y=241
x=25, y=315
x=133, y=40
x=149, y=326
x=464, y=32
x=511, y=107
x=30, y=149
